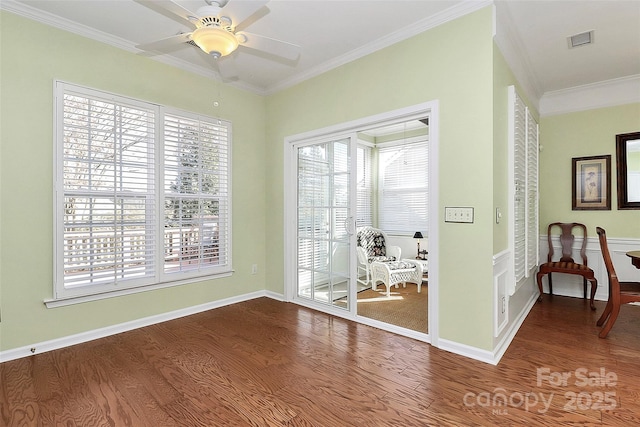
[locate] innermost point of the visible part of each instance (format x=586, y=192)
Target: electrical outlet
x=458, y=215
x=254, y=269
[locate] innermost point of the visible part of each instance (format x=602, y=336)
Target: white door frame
x=430, y=109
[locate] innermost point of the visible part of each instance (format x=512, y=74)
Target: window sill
x=65, y=301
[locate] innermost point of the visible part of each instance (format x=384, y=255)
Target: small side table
x=635, y=258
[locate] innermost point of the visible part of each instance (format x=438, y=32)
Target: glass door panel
x=323, y=222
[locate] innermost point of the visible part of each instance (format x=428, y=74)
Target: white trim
x=508, y=41
x=434, y=223
x=608, y=93
x=54, y=344
x=64, y=301
x=64, y=24
x=431, y=109
x=158, y=279
x=29, y=12
x=475, y=353
x=400, y=115
x=491, y=357
x=290, y=176
x=275, y=295
x=571, y=285
x=460, y=9
x=351, y=316
x=447, y=345
x=501, y=279
x=505, y=342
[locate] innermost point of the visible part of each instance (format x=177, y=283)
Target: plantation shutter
x=532, y=193
x=196, y=193
x=524, y=170
x=520, y=182
x=364, y=187
x=404, y=188
x=108, y=202
x=142, y=192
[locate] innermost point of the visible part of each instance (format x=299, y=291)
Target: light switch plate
x=464, y=214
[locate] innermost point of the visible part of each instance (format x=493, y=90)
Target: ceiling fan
x=214, y=30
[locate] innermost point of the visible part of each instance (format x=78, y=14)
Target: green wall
x=453, y=64
x=582, y=134
x=27, y=71
x=456, y=63
x=502, y=79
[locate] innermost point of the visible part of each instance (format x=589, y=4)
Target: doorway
x=322, y=209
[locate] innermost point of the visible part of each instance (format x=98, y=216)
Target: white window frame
x=523, y=157
x=157, y=277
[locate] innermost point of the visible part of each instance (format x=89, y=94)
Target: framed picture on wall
x=591, y=183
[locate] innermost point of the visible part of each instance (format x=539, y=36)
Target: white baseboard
x=486, y=356
x=505, y=342
x=491, y=357
x=82, y=337
x=274, y=295
x=475, y=353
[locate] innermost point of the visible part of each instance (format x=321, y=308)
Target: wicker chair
x=380, y=262
x=372, y=246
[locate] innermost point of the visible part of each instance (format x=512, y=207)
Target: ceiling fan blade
x=165, y=44
x=279, y=48
x=171, y=10
x=226, y=65
x=238, y=11
x=227, y=68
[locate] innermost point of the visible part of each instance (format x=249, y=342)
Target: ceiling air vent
x=581, y=39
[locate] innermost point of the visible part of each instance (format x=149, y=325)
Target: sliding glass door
x=325, y=224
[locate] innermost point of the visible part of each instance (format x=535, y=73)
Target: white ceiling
x=333, y=32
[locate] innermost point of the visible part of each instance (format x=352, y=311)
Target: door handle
x=350, y=229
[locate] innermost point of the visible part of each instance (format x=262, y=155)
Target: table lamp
x=418, y=235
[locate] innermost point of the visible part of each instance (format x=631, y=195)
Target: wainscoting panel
x=571, y=286
x=500, y=297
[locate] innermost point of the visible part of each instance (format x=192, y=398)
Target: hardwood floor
x=266, y=363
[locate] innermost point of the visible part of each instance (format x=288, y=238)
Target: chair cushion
x=373, y=243
x=381, y=259
x=400, y=265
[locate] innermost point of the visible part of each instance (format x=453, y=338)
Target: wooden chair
x=566, y=263
x=619, y=292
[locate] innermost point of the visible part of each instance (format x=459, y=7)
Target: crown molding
x=512, y=48
x=409, y=31
x=46, y=18
x=608, y=93
x=447, y=15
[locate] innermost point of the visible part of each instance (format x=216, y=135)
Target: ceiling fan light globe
x=215, y=41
